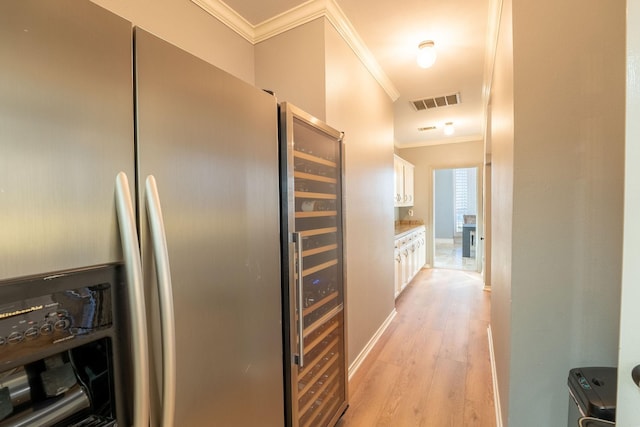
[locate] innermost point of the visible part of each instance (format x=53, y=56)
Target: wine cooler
x=315, y=345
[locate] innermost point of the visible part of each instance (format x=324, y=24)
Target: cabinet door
x=423, y=249
x=408, y=184
x=398, y=178
x=403, y=180
x=398, y=271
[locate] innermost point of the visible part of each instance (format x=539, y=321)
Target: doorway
x=455, y=217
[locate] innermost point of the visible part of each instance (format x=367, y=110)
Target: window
x=465, y=199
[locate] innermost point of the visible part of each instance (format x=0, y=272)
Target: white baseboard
x=442, y=240
x=494, y=377
x=372, y=342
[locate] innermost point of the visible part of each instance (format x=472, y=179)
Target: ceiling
x=391, y=32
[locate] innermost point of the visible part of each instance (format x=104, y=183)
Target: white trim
x=428, y=143
x=491, y=44
x=372, y=342
x=295, y=17
x=443, y=240
x=494, y=377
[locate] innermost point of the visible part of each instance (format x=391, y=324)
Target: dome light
x=449, y=129
x=426, y=54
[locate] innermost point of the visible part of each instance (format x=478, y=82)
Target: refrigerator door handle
x=133, y=269
x=165, y=293
x=297, y=239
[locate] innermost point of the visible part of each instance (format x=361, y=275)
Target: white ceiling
x=391, y=31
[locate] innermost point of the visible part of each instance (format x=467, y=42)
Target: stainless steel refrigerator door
x=210, y=141
x=66, y=130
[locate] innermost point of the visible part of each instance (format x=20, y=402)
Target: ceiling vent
x=435, y=102
x=427, y=128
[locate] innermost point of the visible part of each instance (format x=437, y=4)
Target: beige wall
x=628, y=409
x=331, y=87
x=189, y=27
x=292, y=65
x=558, y=162
x=426, y=160
x=368, y=128
x=502, y=136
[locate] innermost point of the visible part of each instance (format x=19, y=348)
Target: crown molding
x=229, y=17
x=300, y=15
x=292, y=18
x=445, y=141
x=341, y=23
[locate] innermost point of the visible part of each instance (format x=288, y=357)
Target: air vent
x=435, y=102
x=427, y=128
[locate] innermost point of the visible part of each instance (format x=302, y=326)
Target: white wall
x=444, y=203
x=558, y=161
x=189, y=27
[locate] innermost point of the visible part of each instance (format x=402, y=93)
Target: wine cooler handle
x=165, y=296
x=297, y=239
x=135, y=296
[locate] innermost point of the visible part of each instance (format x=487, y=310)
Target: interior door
x=628, y=405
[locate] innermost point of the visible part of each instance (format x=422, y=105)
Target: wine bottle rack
x=319, y=381
x=316, y=272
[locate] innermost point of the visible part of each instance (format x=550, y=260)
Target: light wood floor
x=431, y=366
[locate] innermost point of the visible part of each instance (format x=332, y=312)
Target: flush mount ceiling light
x=426, y=54
x=449, y=129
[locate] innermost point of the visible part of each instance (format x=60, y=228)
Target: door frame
x=628, y=394
x=479, y=209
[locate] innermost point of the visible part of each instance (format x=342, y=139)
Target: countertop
x=405, y=227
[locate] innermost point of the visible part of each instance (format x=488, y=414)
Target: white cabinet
x=398, y=180
x=403, y=180
x=408, y=183
x=410, y=255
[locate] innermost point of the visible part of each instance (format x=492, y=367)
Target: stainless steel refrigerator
x=141, y=184
x=312, y=165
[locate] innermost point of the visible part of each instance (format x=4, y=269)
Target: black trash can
x=593, y=393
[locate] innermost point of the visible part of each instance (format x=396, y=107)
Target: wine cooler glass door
x=315, y=219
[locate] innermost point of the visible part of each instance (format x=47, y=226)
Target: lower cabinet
x=410, y=255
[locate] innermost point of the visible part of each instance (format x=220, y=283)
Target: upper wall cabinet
x=403, y=178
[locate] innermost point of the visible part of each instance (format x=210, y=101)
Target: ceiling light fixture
x=449, y=129
x=426, y=54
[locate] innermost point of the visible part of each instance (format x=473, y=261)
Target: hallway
x=431, y=366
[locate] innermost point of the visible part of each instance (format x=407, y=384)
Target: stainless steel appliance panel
x=66, y=130
x=210, y=141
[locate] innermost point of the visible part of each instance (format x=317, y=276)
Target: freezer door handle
x=165, y=293
x=297, y=239
x=135, y=294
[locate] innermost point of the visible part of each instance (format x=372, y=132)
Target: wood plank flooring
x=431, y=366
